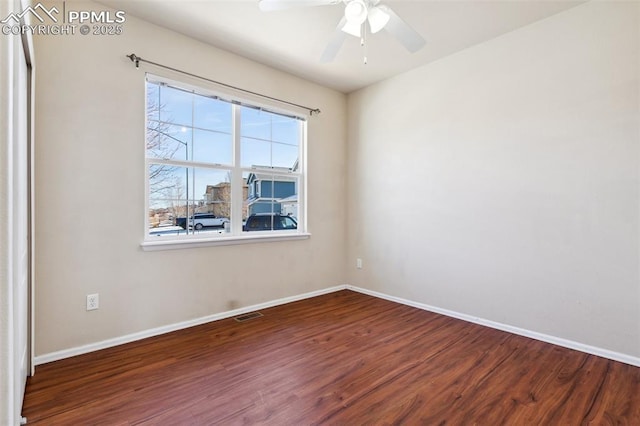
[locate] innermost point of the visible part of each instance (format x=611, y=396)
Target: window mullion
x=237, y=185
x=302, y=171
x=191, y=197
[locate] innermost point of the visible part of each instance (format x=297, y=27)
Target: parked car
x=270, y=222
x=181, y=222
x=202, y=220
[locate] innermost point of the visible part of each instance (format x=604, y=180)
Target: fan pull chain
x=363, y=42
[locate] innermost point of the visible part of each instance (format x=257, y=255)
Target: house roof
x=266, y=176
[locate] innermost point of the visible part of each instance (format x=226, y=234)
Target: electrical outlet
x=359, y=263
x=93, y=301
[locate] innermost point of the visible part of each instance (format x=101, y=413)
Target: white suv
x=201, y=220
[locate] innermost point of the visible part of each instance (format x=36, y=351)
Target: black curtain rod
x=137, y=59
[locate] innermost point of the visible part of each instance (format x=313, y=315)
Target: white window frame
x=236, y=234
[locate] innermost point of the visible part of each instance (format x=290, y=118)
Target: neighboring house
x=217, y=199
x=267, y=193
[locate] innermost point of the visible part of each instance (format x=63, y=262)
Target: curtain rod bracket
x=137, y=59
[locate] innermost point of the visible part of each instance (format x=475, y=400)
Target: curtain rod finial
x=314, y=111
x=134, y=58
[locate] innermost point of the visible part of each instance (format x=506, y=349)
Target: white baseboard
x=605, y=353
x=593, y=350
x=79, y=350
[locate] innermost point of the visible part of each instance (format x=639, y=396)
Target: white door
x=20, y=240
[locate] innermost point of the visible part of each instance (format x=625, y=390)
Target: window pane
x=182, y=196
x=284, y=156
x=204, y=179
x=176, y=106
x=286, y=130
x=167, y=183
x=212, y=189
x=258, y=153
x=167, y=199
x=269, y=126
x=212, y=147
x=168, y=141
x=255, y=123
x=271, y=201
x=255, y=153
x=212, y=114
x=153, y=101
x=269, y=140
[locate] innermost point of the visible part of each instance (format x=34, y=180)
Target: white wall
x=502, y=182
x=90, y=193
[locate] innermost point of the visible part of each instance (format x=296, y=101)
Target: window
x=214, y=165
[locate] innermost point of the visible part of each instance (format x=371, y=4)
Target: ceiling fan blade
x=335, y=43
x=271, y=5
x=406, y=35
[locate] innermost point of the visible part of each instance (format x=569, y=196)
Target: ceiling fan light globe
x=356, y=11
x=352, y=28
x=377, y=19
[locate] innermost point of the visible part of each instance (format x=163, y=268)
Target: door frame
x=29, y=55
x=12, y=47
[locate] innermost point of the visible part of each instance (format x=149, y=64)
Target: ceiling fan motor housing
x=356, y=11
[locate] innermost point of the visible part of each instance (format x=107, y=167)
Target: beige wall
x=90, y=194
x=502, y=182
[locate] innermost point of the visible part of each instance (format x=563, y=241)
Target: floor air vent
x=249, y=316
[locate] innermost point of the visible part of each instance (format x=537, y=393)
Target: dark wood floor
x=343, y=358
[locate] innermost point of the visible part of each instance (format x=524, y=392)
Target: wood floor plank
x=343, y=358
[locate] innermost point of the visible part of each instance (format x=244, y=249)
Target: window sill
x=220, y=241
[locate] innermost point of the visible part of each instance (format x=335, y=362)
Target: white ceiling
x=293, y=40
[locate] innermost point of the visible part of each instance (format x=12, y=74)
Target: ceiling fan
x=358, y=15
